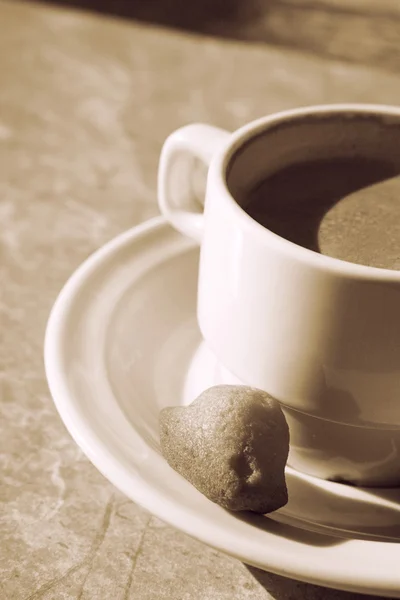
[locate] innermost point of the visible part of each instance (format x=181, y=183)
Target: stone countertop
x=86, y=101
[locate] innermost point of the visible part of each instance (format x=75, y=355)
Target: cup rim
x=293, y=250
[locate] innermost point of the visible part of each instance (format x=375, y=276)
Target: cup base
x=362, y=456
x=359, y=456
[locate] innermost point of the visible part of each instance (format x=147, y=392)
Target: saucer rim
x=135, y=487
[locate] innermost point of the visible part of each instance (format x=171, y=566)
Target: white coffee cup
x=319, y=334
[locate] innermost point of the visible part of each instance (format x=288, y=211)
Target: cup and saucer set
x=207, y=295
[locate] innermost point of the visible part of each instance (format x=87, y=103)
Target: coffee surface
x=344, y=208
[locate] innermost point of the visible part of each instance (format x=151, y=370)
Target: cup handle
x=177, y=174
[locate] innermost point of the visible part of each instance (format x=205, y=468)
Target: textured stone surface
x=232, y=444
x=85, y=103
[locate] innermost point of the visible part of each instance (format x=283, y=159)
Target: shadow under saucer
x=283, y=588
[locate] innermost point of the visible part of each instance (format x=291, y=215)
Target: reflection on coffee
x=344, y=208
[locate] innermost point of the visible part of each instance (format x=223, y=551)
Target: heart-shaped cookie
x=232, y=444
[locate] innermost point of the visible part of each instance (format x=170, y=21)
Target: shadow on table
x=197, y=16
x=281, y=588
x=352, y=30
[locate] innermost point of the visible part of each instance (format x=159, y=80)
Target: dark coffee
x=345, y=208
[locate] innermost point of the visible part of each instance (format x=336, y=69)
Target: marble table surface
x=86, y=99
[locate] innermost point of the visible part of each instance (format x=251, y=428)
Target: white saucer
x=122, y=342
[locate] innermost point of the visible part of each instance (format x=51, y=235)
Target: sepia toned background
x=88, y=92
